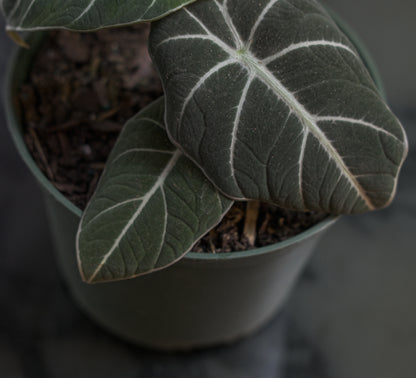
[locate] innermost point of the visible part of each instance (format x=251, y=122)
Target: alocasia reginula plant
x=264, y=100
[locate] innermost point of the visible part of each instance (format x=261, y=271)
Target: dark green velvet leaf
x=151, y=205
x=83, y=14
x=273, y=102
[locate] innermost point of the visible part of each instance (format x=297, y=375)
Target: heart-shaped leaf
x=83, y=14
x=273, y=102
x=151, y=205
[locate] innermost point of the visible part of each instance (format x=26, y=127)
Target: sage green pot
x=202, y=300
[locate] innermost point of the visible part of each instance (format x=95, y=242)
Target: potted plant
x=264, y=101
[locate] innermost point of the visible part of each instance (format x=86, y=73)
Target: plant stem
x=250, y=223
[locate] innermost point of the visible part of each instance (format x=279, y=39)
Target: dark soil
x=81, y=90
x=273, y=224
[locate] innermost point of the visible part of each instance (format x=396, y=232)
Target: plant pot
x=202, y=300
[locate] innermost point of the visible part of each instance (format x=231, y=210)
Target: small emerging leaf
x=273, y=102
x=18, y=39
x=83, y=14
x=151, y=205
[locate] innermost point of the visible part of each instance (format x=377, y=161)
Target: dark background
x=353, y=313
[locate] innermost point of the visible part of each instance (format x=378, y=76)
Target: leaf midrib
x=253, y=65
x=307, y=119
x=158, y=184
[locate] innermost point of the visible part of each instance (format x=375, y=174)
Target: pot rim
x=14, y=124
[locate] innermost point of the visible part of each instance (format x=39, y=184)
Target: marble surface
x=352, y=314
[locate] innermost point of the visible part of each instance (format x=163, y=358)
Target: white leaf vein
x=198, y=21
x=214, y=38
x=228, y=20
x=260, y=19
x=135, y=150
x=237, y=122
x=150, y=120
x=111, y=208
x=165, y=225
x=201, y=82
x=207, y=37
x=301, y=161
x=306, y=44
x=26, y=13
x=84, y=12
x=149, y=7
x=358, y=122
